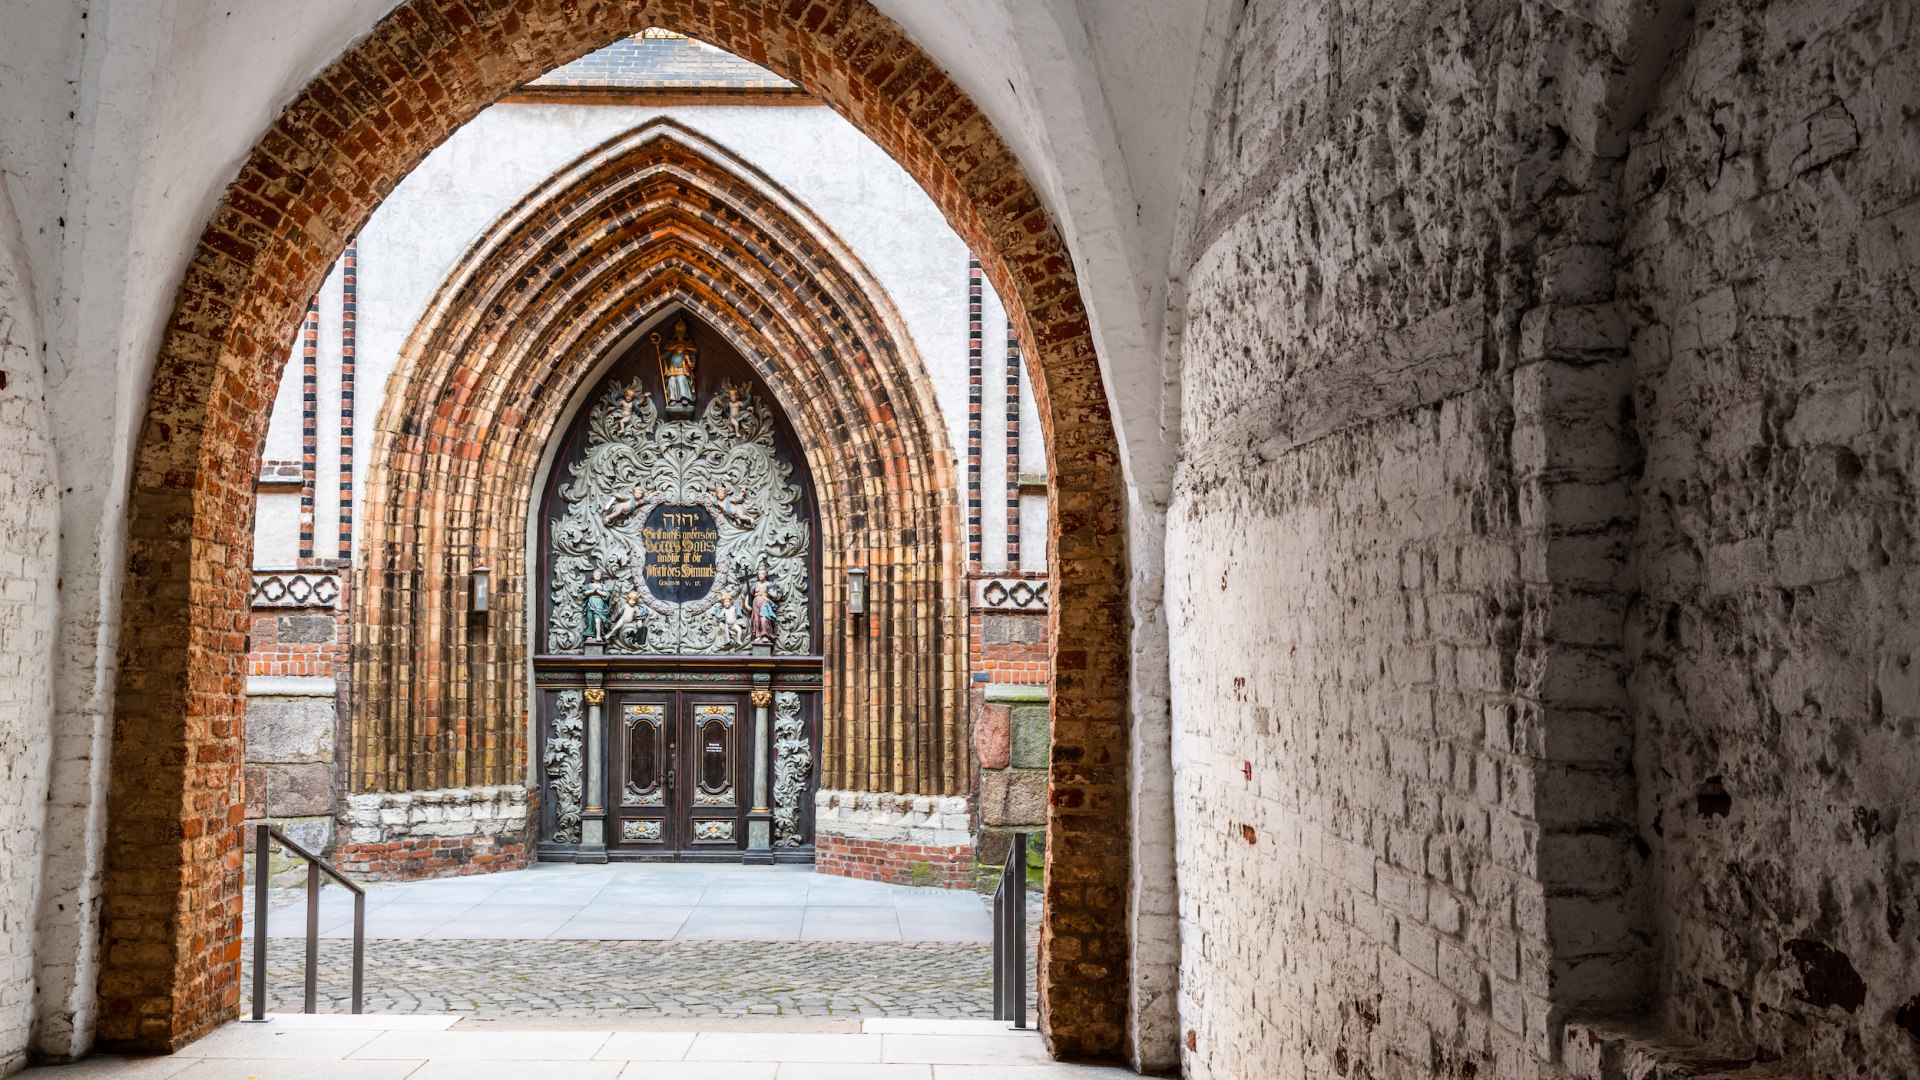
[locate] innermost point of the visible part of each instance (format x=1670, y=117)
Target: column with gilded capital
x=593, y=816
x=760, y=818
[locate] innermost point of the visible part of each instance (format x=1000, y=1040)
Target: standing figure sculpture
x=761, y=598
x=599, y=608
x=679, y=362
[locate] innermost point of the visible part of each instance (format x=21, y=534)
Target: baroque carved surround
x=675, y=582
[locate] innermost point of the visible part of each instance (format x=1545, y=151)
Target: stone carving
x=793, y=764
x=713, y=831
x=764, y=596
x=640, y=830
x=680, y=535
x=563, y=763
x=679, y=367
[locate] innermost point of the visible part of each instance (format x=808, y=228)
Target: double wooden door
x=680, y=780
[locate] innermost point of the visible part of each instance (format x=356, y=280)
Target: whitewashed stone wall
x=1771, y=272
x=449, y=813
x=928, y=820
x=1482, y=724
x=29, y=604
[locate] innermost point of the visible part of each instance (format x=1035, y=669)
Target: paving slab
x=749, y=1046
x=380, y=1048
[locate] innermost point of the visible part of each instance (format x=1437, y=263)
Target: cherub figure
x=618, y=507
x=736, y=412
x=733, y=629
x=735, y=510
x=629, y=617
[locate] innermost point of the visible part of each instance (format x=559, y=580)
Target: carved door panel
x=716, y=756
x=642, y=772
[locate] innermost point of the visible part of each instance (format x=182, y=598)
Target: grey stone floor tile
x=933, y=1025
x=516, y=1070
x=269, y=1041
x=639, y=928
x=1015, y=1048
x=699, y=1070
x=113, y=1067
x=646, y=1046
x=491, y=1046
x=1051, y=1071
x=753, y=1046
x=817, y=1070
x=279, y=1068
x=849, y=924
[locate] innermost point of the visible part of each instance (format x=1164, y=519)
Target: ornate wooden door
x=644, y=776
x=682, y=772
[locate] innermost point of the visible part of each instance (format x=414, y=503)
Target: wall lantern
x=481, y=584
x=856, y=591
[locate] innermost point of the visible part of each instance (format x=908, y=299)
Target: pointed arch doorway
x=677, y=660
x=169, y=920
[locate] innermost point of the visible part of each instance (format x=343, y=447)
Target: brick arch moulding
x=170, y=921
x=655, y=220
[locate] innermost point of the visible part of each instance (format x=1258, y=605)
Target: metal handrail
x=1010, y=936
x=315, y=867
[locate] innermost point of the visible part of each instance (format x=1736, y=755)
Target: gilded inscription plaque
x=682, y=544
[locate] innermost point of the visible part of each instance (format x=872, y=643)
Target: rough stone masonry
x=1541, y=566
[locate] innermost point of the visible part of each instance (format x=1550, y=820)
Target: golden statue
x=679, y=359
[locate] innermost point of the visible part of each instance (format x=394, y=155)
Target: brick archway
x=173, y=861
x=655, y=218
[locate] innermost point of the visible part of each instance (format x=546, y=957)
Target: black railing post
x=260, y=843
x=359, y=945
x=264, y=838
x=313, y=935
x=1010, y=936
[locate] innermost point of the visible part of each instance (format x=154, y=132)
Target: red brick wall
x=995, y=658
x=430, y=857
x=269, y=655
x=899, y=863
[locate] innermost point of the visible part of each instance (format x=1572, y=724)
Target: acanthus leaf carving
x=562, y=761
x=793, y=766
x=723, y=467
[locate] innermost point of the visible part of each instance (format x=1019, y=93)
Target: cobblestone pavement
x=644, y=978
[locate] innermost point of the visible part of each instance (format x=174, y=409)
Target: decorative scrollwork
x=793, y=765
x=713, y=831
x=645, y=831
x=563, y=763
x=721, y=467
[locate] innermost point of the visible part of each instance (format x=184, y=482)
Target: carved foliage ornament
x=793, y=764
x=680, y=535
x=562, y=762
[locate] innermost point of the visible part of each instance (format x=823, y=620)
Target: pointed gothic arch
x=173, y=859
x=656, y=219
